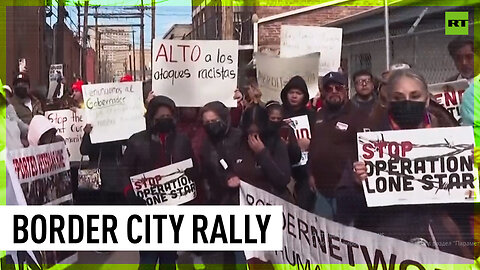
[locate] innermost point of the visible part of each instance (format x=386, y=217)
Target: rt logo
x=456, y=23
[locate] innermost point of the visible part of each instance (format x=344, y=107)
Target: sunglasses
x=335, y=87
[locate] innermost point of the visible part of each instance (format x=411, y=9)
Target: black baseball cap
x=335, y=77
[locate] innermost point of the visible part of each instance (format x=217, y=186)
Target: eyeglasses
x=332, y=87
x=360, y=82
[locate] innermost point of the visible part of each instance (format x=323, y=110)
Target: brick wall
x=269, y=32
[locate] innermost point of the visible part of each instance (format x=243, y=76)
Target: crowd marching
x=254, y=143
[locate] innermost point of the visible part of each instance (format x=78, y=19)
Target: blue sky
x=167, y=14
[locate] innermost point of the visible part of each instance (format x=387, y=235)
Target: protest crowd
x=256, y=142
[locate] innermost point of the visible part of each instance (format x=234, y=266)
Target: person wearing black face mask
x=407, y=103
x=156, y=147
x=25, y=105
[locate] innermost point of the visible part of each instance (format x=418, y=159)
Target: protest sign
x=274, y=72
x=40, y=175
x=449, y=95
x=69, y=125
x=312, y=242
x=168, y=185
x=56, y=72
x=195, y=72
x=301, y=126
x=296, y=40
x=115, y=110
x=420, y=166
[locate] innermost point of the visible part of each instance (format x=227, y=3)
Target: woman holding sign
x=427, y=225
x=158, y=146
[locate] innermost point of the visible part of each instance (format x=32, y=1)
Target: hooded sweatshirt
x=38, y=126
x=297, y=82
x=218, y=158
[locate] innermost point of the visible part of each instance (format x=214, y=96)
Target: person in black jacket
x=156, y=147
x=110, y=156
x=262, y=157
x=295, y=98
x=218, y=153
x=217, y=158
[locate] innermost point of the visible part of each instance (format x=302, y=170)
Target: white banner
x=168, y=185
x=274, y=72
x=115, y=110
x=420, y=166
x=309, y=240
x=296, y=40
x=451, y=99
x=70, y=126
x=195, y=72
x=55, y=71
x=301, y=127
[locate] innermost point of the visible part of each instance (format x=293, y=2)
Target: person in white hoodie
x=41, y=131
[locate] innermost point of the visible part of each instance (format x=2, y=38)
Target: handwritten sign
x=195, y=72
x=299, y=40
x=115, y=110
x=56, y=70
x=69, y=125
x=420, y=166
x=452, y=98
x=301, y=126
x=274, y=72
x=168, y=185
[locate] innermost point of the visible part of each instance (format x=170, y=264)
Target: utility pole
x=99, y=57
x=153, y=22
x=84, y=40
x=130, y=59
x=79, y=39
x=59, y=33
x=227, y=23
x=134, y=62
x=142, y=42
x=97, y=44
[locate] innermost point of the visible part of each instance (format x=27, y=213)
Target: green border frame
x=5, y=3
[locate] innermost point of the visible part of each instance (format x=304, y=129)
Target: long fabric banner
x=420, y=166
x=312, y=242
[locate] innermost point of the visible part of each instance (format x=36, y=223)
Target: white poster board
x=115, y=110
x=55, y=71
x=301, y=127
x=274, y=72
x=313, y=242
x=168, y=185
x=40, y=175
x=69, y=125
x=452, y=99
x=419, y=166
x=195, y=72
x=296, y=40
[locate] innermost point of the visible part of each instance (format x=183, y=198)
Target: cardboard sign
x=301, y=126
x=296, y=40
x=40, y=175
x=69, y=125
x=274, y=72
x=452, y=99
x=56, y=70
x=168, y=185
x=195, y=72
x=115, y=110
x=313, y=242
x=420, y=166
